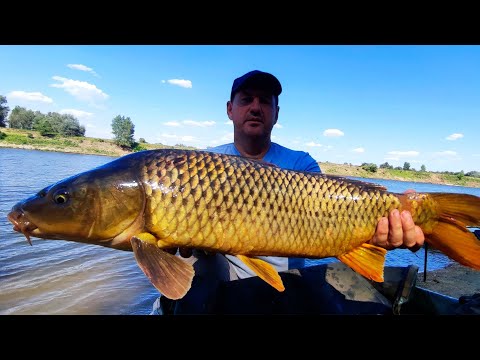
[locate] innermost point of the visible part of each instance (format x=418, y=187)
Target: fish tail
x=449, y=233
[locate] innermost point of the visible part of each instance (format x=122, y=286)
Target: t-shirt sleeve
x=308, y=163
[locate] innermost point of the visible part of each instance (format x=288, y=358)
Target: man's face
x=254, y=112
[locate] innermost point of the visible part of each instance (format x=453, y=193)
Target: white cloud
x=190, y=123
x=199, y=123
x=172, y=123
x=80, y=114
x=168, y=136
x=29, y=96
x=185, y=138
x=227, y=138
x=277, y=125
x=359, y=150
x=475, y=154
x=82, y=68
x=179, y=82
x=399, y=154
x=81, y=90
x=455, y=136
x=228, y=122
x=333, y=133
x=311, y=143
x=445, y=153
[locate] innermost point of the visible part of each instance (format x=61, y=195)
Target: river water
x=60, y=277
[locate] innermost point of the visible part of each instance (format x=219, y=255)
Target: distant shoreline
x=32, y=140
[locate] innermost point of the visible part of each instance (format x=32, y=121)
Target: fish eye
x=60, y=197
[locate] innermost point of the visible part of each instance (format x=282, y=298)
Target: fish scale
x=210, y=200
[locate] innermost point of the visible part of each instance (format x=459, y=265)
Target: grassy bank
x=27, y=139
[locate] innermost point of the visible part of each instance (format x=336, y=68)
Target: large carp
x=156, y=200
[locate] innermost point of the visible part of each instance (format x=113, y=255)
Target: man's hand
x=398, y=230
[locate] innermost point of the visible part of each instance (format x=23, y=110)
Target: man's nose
x=255, y=105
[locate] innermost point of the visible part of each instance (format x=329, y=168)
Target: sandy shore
x=455, y=280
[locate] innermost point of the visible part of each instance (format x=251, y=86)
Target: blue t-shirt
x=286, y=159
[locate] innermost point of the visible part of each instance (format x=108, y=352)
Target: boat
x=332, y=288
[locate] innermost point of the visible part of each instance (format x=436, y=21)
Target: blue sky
x=342, y=104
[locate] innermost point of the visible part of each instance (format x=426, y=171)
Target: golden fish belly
x=240, y=206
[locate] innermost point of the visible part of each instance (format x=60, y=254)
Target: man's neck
x=254, y=149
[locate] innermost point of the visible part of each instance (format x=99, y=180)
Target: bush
x=370, y=167
x=137, y=147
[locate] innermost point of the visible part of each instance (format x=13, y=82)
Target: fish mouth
x=21, y=223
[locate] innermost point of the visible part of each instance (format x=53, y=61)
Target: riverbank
x=32, y=140
x=455, y=280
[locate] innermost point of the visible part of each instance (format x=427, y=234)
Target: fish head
x=103, y=206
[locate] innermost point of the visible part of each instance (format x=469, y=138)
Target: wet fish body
x=154, y=200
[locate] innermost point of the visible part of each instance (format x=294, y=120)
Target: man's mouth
x=254, y=121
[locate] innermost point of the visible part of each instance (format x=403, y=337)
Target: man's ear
x=276, y=115
x=229, y=109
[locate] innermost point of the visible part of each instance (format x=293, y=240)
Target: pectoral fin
x=264, y=270
x=171, y=275
x=368, y=260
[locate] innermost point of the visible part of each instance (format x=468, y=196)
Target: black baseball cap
x=257, y=79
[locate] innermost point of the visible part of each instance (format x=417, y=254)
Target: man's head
x=253, y=108
x=257, y=79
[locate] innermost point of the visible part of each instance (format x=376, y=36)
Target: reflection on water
x=60, y=277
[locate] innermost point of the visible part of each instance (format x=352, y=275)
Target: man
x=253, y=108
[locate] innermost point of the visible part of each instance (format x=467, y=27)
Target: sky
x=340, y=103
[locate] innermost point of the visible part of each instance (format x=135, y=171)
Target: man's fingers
x=395, y=237
x=408, y=228
x=381, y=234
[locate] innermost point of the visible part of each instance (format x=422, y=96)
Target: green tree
x=423, y=168
x=406, y=166
x=70, y=126
x=473, y=174
x=3, y=111
x=386, y=165
x=371, y=167
x=45, y=128
x=123, y=130
x=21, y=118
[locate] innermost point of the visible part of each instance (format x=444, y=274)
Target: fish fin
x=456, y=242
x=368, y=260
x=450, y=234
x=464, y=208
x=264, y=270
x=171, y=275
